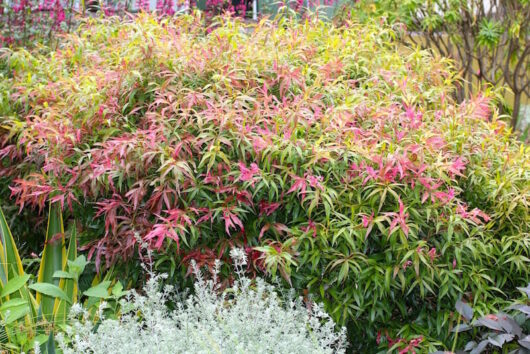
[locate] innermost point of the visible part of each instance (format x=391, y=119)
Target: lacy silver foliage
x=250, y=317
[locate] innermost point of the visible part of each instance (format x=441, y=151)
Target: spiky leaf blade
x=70, y=286
x=11, y=264
x=53, y=258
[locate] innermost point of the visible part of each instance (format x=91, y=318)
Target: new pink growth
x=481, y=106
x=315, y=181
x=432, y=254
x=231, y=220
x=301, y=184
x=267, y=208
x=247, y=174
x=406, y=265
x=259, y=144
x=457, y=167
x=367, y=222
x=110, y=209
x=170, y=227
x=414, y=118
x=310, y=226
x=472, y=215
x=430, y=187
x=399, y=218
x=445, y=197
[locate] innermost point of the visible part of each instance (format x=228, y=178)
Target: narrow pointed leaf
x=53, y=258
x=62, y=275
x=68, y=285
x=11, y=265
x=50, y=345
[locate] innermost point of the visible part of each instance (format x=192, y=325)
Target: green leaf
x=117, y=290
x=100, y=290
x=14, y=313
x=50, y=290
x=76, y=265
x=63, y=275
x=53, y=258
x=14, y=285
x=10, y=262
x=12, y=303
x=50, y=345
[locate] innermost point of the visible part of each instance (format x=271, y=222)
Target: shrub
x=337, y=159
x=246, y=318
x=489, y=41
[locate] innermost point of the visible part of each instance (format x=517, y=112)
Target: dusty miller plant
x=250, y=317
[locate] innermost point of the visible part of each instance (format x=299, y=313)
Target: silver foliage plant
x=250, y=317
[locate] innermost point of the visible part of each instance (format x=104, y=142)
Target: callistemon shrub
x=337, y=159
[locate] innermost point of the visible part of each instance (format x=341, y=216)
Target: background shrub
x=488, y=40
x=29, y=23
x=335, y=158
